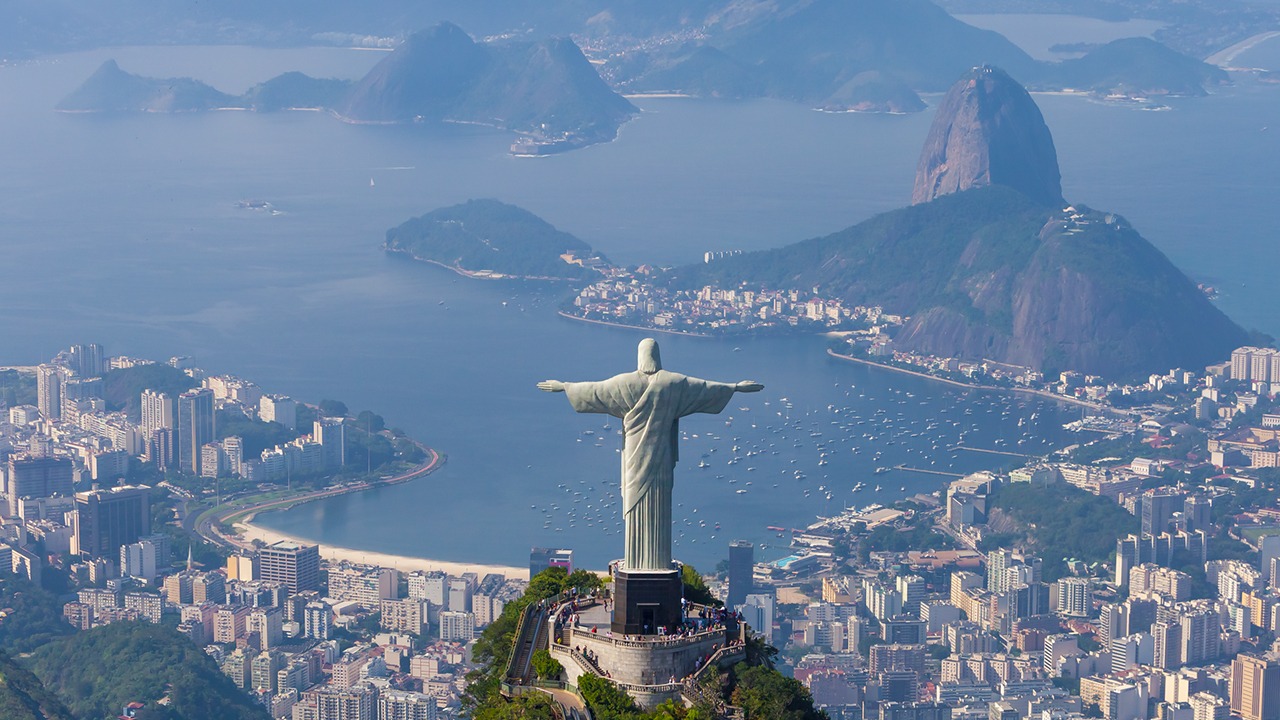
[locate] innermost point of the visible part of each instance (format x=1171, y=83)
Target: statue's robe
x=650, y=406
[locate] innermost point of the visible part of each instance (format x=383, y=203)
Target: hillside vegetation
x=490, y=235
x=1051, y=519
x=99, y=671
x=987, y=273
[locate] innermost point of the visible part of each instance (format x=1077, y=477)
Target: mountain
x=294, y=90
x=808, y=51
x=990, y=274
x=99, y=671
x=22, y=697
x=694, y=69
x=487, y=236
x=988, y=264
x=987, y=131
x=545, y=88
x=111, y=89
x=1137, y=66
x=811, y=51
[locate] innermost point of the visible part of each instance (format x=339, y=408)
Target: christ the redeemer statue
x=650, y=402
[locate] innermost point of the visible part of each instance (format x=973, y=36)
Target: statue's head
x=650, y=359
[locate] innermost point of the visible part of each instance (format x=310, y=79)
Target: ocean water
x=123, y=230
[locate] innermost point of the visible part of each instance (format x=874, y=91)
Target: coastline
x=404, y=563
x=988, y=388
x=475, y=274
x=681, y=333
x=246, y=532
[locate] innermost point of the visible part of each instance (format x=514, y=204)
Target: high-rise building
x=178, y=588
x=160, y=449
x=1073, y=596
x=460, y=595
x=37, y=477
x=365, y=584
x=196, y=427
x=317, y=621
x=1198, y=510
x=266, y=665
x=81, y=388
x=138, y=560
x=107, y=519
x=1255, y=688
x=457, y=626
x=1158, y=507
x=741, y=562
x=211, y=465
x=295, y=566
x=884, y=658
x=407, y=615
x=278, y=408
x=331, y=433
x=242, y=567
x=541, y=558
x=1242, y=362
x=49, y=390
x=209, y=587
x=431, y=586
x=406, y=705
x=233, y=454
x=998, y=561
x=757, y=611
x=268, y=623
x=329, y=702
x=911, y=590
x=88, y=360
x=1199, y=641
x=157, y=411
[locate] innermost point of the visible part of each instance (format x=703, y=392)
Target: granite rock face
x=988, y=131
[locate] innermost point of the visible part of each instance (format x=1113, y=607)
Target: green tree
x=256, y=435
x=547, y=667
x=695, y=588
x=370, y=421
x=333, y=408
x=530, y=706
x=33, y=617
x=606, y=700
x=766, y=694
x=100, y=670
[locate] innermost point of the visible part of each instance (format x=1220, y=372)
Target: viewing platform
x=651, y=668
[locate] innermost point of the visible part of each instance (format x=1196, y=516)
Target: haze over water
x=123, y=230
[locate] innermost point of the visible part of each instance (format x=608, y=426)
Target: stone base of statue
x=646, y=600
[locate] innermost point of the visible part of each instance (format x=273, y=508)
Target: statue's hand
x=748, y=386
x=551, y=386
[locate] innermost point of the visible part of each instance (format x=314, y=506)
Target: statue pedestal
x=644, y=601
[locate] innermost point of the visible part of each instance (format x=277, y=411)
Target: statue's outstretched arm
x=551, y=386
x=748, y=386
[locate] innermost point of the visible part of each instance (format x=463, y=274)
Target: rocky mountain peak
x=988, y=131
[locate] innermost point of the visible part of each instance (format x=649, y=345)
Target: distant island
x=111, y=89
x=545, y=91
x=491, y=239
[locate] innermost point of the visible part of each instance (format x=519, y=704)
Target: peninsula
x=990, y=264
